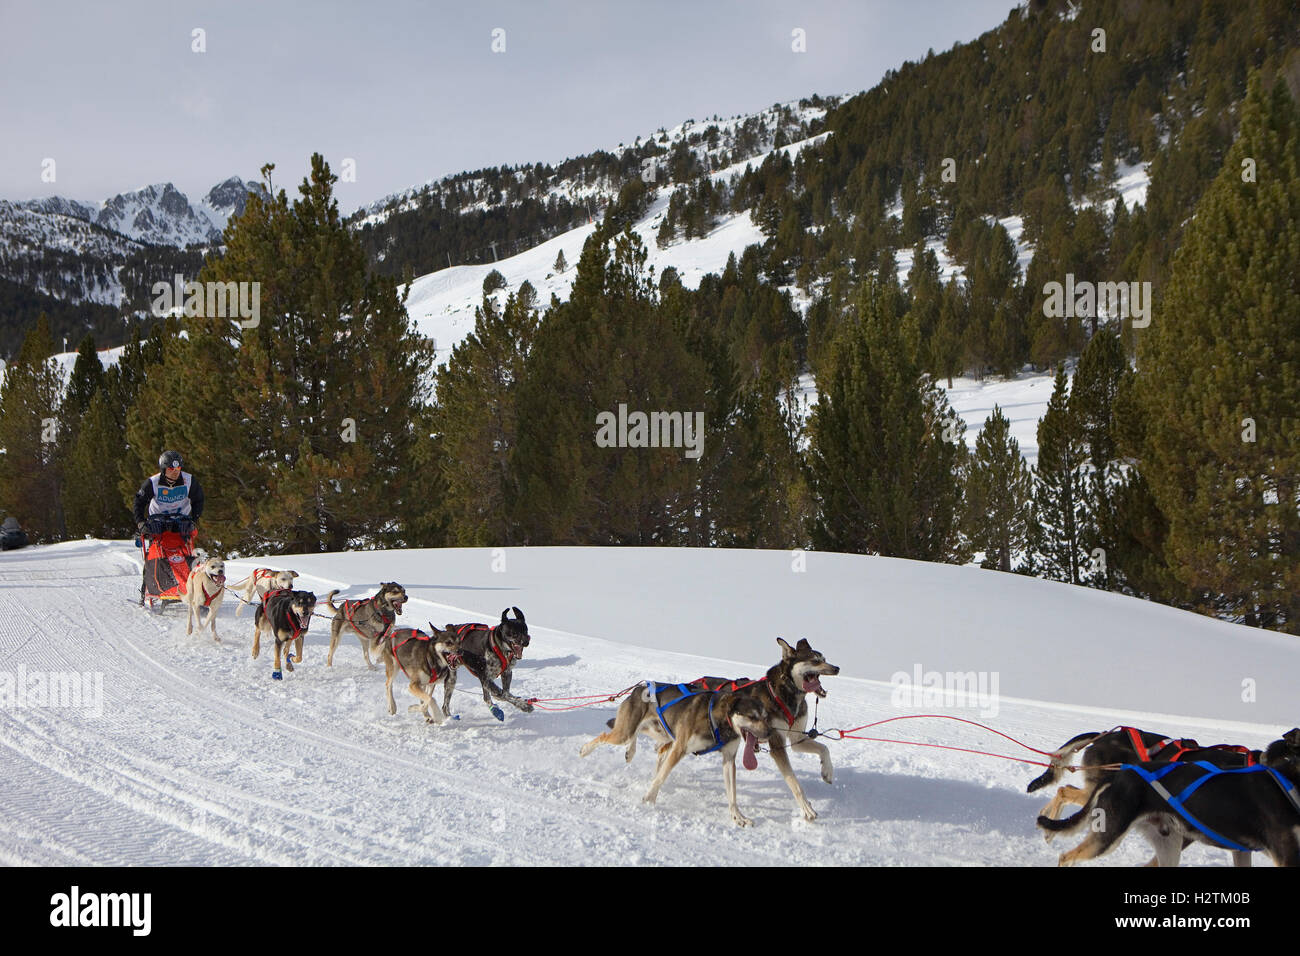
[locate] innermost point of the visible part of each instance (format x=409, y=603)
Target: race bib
x=172, y=496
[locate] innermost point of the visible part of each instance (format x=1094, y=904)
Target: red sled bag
x=168, y=558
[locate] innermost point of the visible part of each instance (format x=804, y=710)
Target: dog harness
x=300, y=627
x=1148, y=754
x=1152, y=777
x=207, y=598
x=516, y=650
x=418, y=635
x=687, y=691
x=350, y=608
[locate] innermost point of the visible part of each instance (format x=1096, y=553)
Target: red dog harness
x=516, y=652
x=1157, y=751
x=351, y=607
x=418, y=635
x=207, y=598
x=300, y=626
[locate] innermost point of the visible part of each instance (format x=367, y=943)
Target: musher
x=171, y=497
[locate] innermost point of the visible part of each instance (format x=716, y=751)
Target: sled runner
x=168, y=549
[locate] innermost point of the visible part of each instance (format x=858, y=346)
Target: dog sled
x=167, y=545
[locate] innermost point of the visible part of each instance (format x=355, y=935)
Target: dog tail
x=1075, y=820
x=1059, y=759
x=330, y=601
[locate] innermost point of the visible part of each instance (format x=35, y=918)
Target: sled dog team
x=1171, y=792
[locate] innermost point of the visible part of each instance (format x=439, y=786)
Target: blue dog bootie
x=276, y=675
x=497, y=713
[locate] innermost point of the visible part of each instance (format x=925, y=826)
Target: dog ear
x=519, y=615
x=503, y=615
x=293, y=574
x=786, y=650
x=804, y=645
x=1292, y=737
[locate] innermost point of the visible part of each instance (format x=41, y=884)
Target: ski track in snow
x=199, y=758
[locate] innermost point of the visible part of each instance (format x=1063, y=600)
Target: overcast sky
x=116, y=95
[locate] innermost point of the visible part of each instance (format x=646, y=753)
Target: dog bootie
x=497, y=713
x=276, y=675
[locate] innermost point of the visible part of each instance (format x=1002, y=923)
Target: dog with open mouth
x=255, y=586
x=286, y=615
x=425, y=659
x=205, y=588
x=370, y=619
x=773, y=709
x=490, y=654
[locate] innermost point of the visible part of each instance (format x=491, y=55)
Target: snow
x=1023, y=400
x=194, y=756
x=442, y=303
x=1131, y=182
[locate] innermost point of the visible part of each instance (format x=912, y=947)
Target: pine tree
x=1219, y=382
x=90, y=508
x=29, y=408
x=1055, y=542
x=608, y=345
x=86, y=381
x=999, y=495
x=476, y=422
x=561, y=265
x=301, y=428
x=884, y=479
x=1097, y=381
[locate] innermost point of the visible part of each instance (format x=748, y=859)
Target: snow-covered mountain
x=75, y=250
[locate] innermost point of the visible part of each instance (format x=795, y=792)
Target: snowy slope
x=195, y=756
x=442, y=303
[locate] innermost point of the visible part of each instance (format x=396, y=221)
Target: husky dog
x=425, y=659
x=1254, y=808
x=370, y=618
x=206, y=587
x=286, y=615
x=259, y=582
x=779, y=697
x=489, y=653
x=1103, y=751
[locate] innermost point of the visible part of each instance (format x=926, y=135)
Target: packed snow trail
x=192, y=755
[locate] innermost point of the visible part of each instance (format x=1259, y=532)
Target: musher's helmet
x=169, y=459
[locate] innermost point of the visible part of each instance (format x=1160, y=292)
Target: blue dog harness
x=653, y=689
x=1209, y=770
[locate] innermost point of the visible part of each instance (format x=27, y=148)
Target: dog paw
x=809, y=814
x=828, y=773
x=526, y=707
x=740, y=819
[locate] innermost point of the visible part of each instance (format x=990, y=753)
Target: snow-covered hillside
x=185, y=752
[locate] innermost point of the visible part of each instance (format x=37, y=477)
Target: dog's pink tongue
x=748, y=760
